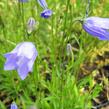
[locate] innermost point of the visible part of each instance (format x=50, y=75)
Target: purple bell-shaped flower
x=21, y=59
x=46, y=13
x=98, y=27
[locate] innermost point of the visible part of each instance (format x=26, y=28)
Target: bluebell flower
x=21, y=59
x=42, y=3
x=13, y=106
x=98, y=27
x=46, y=13
x=31, y=24
x=23, y=0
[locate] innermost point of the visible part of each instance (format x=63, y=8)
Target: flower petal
x=23, y=69
x=98, y=22
x=14, y=106
x=10, y=63
x=26, y=49
x=46, y=13
x=31, y=62
x=102, y=34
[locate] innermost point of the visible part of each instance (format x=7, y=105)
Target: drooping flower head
x=46, y=13
x=98, y=27
x=13, y=106
x=21, y=59
x=31, y=24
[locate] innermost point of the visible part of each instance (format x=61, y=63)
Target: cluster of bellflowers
x=23, y=56
x=96, y=26
x=46, y=13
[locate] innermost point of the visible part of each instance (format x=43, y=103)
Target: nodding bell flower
x=46, y=13
x=21, y=59
x=98, y=27
x=31, y=24
x=13, y=106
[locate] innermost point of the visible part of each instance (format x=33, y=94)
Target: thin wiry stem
x=88, y=8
